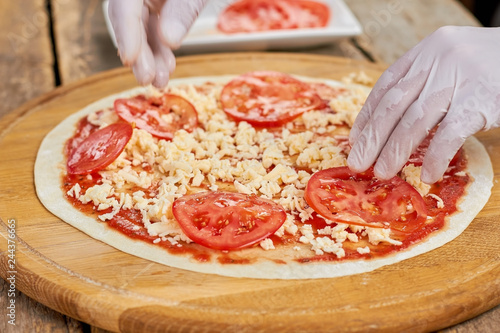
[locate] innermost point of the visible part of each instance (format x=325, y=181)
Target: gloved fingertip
x=171, y=63
x=173, y=32
x=353, y=137
x=143, y=76
x=362, y=154
x=429, y=177
x=354, y=164
x=161, y=80
x=382, y=171
x=127, y=27
x=126, y=58
x=165, y=66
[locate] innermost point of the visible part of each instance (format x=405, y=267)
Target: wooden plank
x=26, y=71
x=26, y=56
x=343, y=48
x=393, y=27
x=83, y=45
x=31, y=315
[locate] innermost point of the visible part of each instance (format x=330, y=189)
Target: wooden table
x=45, y=44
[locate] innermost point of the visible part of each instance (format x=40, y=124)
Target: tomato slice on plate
x=268, y=98
x=341, y=195
x=253, y=15
x=311, y=14
x=161, y=116
x=227, y=220
x=264, y=15
x=99, y=149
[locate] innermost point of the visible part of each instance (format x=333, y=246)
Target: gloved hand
x=452, y=77
x=148, y=30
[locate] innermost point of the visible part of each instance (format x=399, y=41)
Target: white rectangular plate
x=204, y=36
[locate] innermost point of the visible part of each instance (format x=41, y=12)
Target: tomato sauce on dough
x=129, y=222
x=411, y=217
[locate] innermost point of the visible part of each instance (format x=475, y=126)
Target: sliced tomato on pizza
x=268, y=99
x=341, y=195
x=99, y=149
x=83, y=130
x=227, y=220
x=246, y=235
x=327, y=92
x=161, y=116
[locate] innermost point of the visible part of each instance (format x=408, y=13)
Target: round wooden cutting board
x=86, y=279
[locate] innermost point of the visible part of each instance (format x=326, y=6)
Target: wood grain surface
x=66, y=270
x=391, y=28
x=26, y=41
x=83, y=44
x=27, y=71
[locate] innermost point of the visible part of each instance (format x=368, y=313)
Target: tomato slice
x=83, y=130
x=227, y=220
x=268, y=99
x=263, y=15
x=311, y=14
x=161, y=116
x=341, y=195
x=325, y=91
x=99, y=149
x=251, y=16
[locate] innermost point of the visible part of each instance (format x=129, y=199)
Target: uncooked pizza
x=246, y=176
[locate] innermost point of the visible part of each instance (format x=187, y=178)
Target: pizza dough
x=276, y=264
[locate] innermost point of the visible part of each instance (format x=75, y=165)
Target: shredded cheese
x=151, y=173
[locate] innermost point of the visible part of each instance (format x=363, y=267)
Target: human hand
x=148, y=30
x=452, y=77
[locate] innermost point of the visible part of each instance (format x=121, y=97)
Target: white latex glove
x=452, y=77
x=148, y=30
